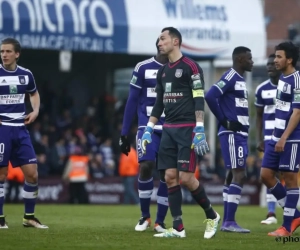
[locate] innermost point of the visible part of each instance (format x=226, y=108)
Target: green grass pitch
x=112, y=227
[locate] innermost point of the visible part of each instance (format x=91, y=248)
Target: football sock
x=233, y=199
x=145, y=191
x=201, y=198
x=292, y=197
x=1, y=197
x=225, y=198
x=175, y=200
x=271, y=202
x=162, y=202
x=30, y=192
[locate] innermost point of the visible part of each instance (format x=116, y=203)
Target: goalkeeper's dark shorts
x=175, y=148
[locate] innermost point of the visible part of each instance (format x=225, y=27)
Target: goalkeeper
x=180, y=94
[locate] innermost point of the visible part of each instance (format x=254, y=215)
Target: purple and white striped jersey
x=13, y=87
x=142, y=95
x=234, y=100
x=287, y=99
x=265, y=97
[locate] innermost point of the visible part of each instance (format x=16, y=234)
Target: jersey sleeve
x=296, y=99
x=223, y=85
x=259, y=102
x=197, y=82
x=137, y=78
x=31, y=87
x=136, y=85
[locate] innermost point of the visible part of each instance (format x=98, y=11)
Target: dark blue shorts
x=15, y=146
x=151, y=149
x=234, y=150
x=286, y=161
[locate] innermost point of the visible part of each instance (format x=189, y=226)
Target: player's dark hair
x=174, y=33
x=240, y=50
x=272, y=55
x=291, y=51
x=15, y=43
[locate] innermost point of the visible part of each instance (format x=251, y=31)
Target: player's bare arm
x=199, y=116
x=259, y=128
x=35, y=104
x=293, y=123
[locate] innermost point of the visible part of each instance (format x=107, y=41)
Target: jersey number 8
x=240, y=152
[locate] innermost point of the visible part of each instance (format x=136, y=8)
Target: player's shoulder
x=264, y=85
x=230, y=75
x=191, y=64
x=296, y=78
x=24, y=70
x=144, y=64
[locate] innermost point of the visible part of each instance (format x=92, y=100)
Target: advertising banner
x=209, y=28
x=77, y=25
x=110, y=190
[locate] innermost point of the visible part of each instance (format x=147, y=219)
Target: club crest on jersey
x=22, y=79
x=241, y=162
x=178, y=73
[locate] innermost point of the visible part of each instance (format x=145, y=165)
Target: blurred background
x=82, y=54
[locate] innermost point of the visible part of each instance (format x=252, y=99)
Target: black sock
x=200, y=197
x=175, y=200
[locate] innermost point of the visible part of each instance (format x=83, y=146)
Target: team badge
x=22, y=79
x=241, y=162
x=178, y=73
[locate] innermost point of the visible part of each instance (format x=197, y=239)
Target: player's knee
x=267, y=177
x=290, y=179
x=162, y=175
x=31, y=177
x=3, y=173
x=171, y=177
x=239, y=176
x=146, y=168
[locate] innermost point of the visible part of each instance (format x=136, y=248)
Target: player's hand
x=124, y=145
x=260, y=146
x=200, y=145
x=146, y=138
x=232, y=125
x=279, y=147
x=30, y=118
